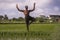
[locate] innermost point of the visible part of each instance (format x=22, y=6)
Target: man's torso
x=26, y=12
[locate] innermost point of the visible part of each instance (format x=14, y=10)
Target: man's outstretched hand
x=16, y=5
x=34, y=4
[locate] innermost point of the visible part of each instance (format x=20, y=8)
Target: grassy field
x=37, y=32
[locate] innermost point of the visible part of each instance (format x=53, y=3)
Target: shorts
x=29, y=18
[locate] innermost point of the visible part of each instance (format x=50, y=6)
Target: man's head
x=26, y=7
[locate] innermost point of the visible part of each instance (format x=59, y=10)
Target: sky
x=43, y=7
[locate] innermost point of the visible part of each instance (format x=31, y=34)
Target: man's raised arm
x=18, y=8
x=33, y=8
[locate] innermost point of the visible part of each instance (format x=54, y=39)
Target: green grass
x=38, y=31
x=22, y=27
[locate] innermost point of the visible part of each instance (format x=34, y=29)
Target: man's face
x=26, y=7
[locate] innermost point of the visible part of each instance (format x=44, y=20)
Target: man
x=26, y=12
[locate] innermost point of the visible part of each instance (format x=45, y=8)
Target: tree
x=43, y=19
x=14, y=19
x=5, y=17
x=1, y=18
x=37, y=20
x=20, y=19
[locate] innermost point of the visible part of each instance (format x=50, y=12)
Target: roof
x=54, y=15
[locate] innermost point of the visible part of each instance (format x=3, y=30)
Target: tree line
x=40, y=19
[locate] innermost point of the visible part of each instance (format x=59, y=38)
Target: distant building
x=56, y=18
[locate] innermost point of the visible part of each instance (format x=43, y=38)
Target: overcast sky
x=43, y=7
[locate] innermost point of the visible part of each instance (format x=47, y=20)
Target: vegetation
x=37, y=32
x=42, y=29
x=41, y=19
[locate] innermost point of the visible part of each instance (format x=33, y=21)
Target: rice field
x=36, y=32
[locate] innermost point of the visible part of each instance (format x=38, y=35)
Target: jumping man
x=28, y=19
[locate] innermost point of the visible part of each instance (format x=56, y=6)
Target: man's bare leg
x=27, y=25
x=32, y=21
